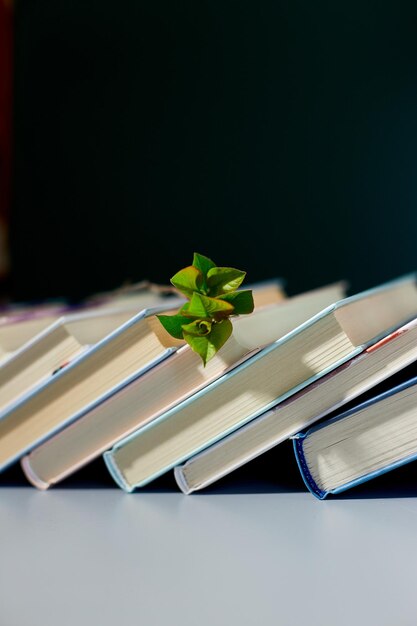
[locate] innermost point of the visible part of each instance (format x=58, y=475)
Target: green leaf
x=223, y=280
x=173, y=324
x=196, y=308
x=199, y=328
x=219, y=309
x=202, y=346
x=188, y=280
x=208, y=345
x=220, y=333
x=241, y=300
x=202, y=263
x=203, y=307
x=184, y=309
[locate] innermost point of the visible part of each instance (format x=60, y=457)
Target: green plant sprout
x=204, y=322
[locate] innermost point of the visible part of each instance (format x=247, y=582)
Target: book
x=20, y=311
x=313, y=349
x=147, y=294
x=350, y=380
x=21, y=322
x=112, y=361
x=267, y=292
x=92, y=432
x=143, y=294
x=18, y=327
x=43, y=355
x=362, y=443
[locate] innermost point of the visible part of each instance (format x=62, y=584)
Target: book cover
x=397, y=395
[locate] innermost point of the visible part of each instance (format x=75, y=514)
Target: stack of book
x=106, y=380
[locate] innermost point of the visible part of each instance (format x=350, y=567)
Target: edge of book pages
x=178, y=470
x=298, y=440
x=108, y=456
x=83, y=355
x=90, y=406
x=25, y=397
x=26, y=460
x=169, y=304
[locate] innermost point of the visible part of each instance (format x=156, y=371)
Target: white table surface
x=78, y=556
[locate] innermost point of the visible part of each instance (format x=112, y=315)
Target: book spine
x=31, y=476
x=303, y=467
x=115, y=472
x=181, y=481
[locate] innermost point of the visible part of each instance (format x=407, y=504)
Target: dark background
x=278, y=137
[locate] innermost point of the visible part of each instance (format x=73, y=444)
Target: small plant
x=204, y=322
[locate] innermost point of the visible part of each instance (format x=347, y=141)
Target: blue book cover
x=301, y=439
